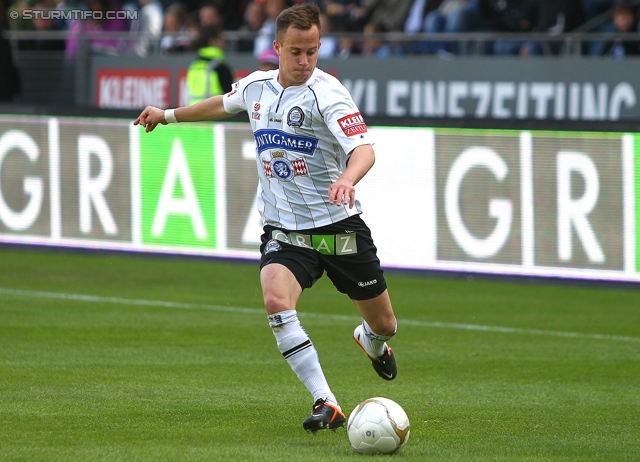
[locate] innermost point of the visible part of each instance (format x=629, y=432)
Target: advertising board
x=481, y=88
x=521, y=202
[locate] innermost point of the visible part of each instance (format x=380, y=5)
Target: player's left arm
x=343, y=191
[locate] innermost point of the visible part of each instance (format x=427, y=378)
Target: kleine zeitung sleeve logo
x=352, y=124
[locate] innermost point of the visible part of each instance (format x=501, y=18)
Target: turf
x=168, y=359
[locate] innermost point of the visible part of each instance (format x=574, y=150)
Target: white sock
x=296, y=347
x=372, y=342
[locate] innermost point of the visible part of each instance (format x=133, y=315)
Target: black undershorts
x=345, y=250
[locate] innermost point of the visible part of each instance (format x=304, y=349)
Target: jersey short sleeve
x=234, y=101
x=342, y=116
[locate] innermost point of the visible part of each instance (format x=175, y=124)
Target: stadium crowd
x=170, y=26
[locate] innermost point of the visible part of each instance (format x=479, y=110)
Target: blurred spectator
x=417, y=13
x=551, y=16
x=373, y=46
x=557, y=16
x=329, y=45
x=64, y=5
x=451, y=16
x=20, y=23
x=44, y=22
x=380, y=17
x=593, y=8
x=233, y=12
x=210, y=14
x=269, y=60
x=150, y=20
x=414, y=24
x=625, y=20
x=345, y=15
x=93, y=27
x=390, y=15
x=509, y=16
x=176, y=28
x=267, y=33
x=10, y=84
x=346, y=47
x=209, y=74
x=254, y=17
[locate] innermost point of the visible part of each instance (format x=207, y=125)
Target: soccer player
x=312, y=148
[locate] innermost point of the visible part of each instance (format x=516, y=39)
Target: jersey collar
x=315, y=75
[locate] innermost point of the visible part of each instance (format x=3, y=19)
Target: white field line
x=335, y=317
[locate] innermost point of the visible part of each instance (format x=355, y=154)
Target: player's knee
x=386, y=327
x=388, y=330
x=275, y=303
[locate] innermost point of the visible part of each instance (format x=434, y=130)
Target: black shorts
x=345, y=250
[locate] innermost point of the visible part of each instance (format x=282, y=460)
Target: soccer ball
x=378, y=426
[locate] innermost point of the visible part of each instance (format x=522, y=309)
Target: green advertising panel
x=177, y=182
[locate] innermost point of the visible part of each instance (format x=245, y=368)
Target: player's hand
x=150, y=118
x=342, y=192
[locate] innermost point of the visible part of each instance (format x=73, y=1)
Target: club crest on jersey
x=295, y=117
x=282, y=168
x=267, y=139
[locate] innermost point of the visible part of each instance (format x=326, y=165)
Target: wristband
x=170, y=117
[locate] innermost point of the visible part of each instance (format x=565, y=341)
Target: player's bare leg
x=281, y=291
x=379, y=325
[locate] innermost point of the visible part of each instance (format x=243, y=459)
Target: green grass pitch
x=147, y=358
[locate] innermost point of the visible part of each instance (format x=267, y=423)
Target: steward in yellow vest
x=209, y=75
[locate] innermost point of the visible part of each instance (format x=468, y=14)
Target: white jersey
x=303, y=137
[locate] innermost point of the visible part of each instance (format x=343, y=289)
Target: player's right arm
x=209, y=109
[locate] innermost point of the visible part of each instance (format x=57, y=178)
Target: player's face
x=298, y=52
